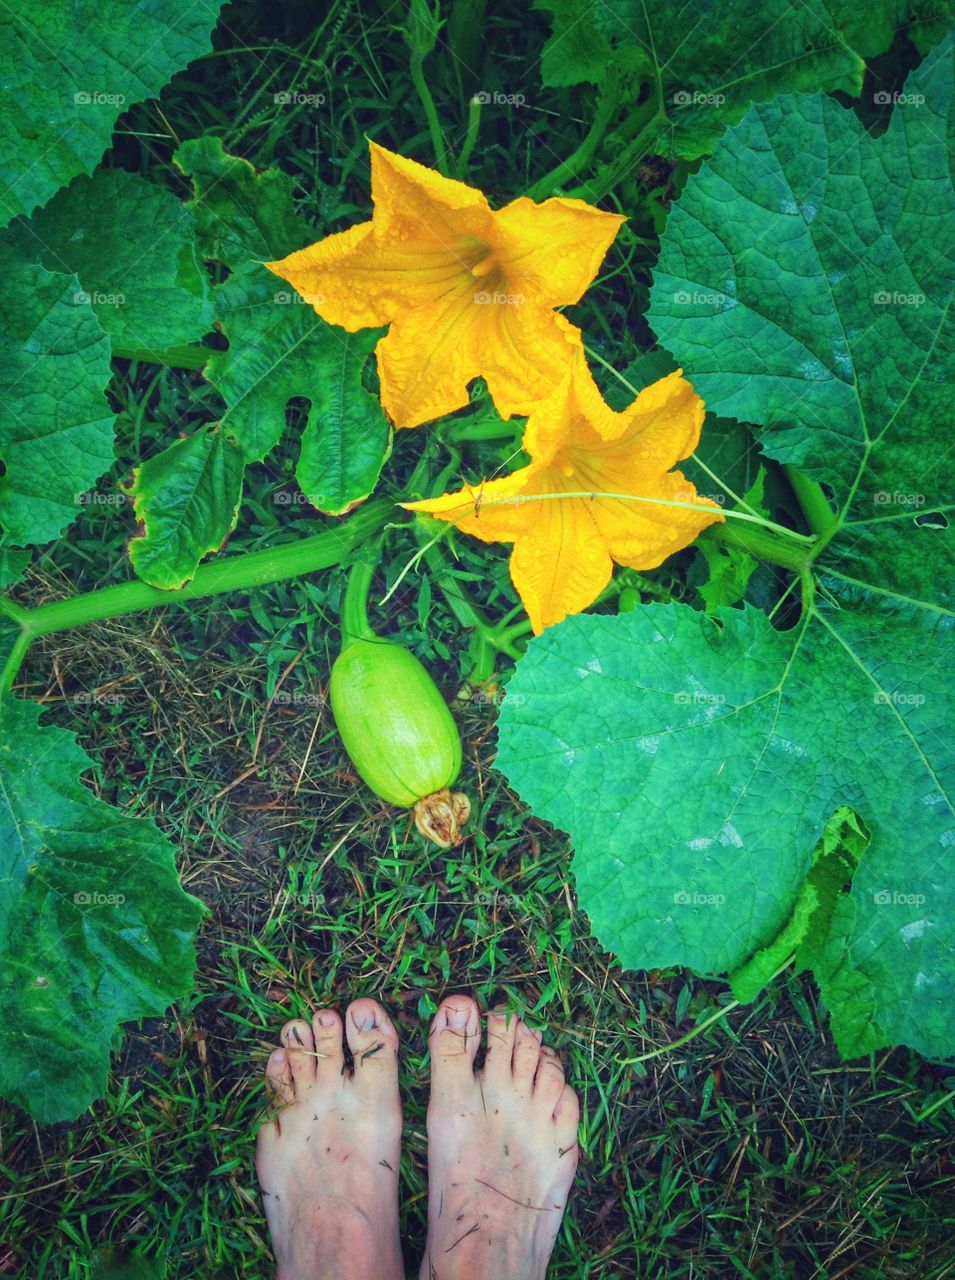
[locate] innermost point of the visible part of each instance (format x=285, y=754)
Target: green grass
x=749, y=1151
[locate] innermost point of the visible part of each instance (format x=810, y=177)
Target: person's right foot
x=502, y=1148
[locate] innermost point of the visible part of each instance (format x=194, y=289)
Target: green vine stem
x=232, y=573
x=14, y=662
x=471, y=137
x=430, y=114
x=645, y=123
x=477, y=430
x=570, y=168
x=355, y=624
x=814, y=503
x=764, y=546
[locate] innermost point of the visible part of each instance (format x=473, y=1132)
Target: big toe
x=454, y=1040
x=373, y=1042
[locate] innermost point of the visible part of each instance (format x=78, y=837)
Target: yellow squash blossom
x=468, y=291
x=581, y=452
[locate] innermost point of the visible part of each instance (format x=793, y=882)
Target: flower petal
x=428, y=358
x=664, y=422
x=642, y=534
x=359, y=282
x=562, y=565
x=524, y=354
x=324, y=274
x=422, y=207
x=551, y=252
x=574, y=411
x=488, y=510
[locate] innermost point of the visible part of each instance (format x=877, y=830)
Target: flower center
x=484, y=267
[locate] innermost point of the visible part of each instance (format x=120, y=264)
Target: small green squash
x=399, y=733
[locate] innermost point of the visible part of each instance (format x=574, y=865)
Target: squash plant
x=695, y=757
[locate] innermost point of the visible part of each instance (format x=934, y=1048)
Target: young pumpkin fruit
x=400, y=734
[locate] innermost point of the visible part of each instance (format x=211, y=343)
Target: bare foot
x=328, y=1162
x=502, y=1148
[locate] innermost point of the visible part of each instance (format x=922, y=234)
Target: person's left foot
x=328, y=1161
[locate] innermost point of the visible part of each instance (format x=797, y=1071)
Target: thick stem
x=355, y=624
x=430, y=114
x=814, y=503
x=14, y=662
x=646, y=122
x=807, y=588
x=232, y=573
x=474, y=123
x=569, y=168
x=483, y=660
x=763, y=545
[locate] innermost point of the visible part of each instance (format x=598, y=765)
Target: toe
x=300, y=1051
x=567, y=1118
x=549, y=1081
x=527, y=1044
x=278, y=1077
x=373, y=1042
x=501, y=1033
x=329, y=1047
x=454, y=1039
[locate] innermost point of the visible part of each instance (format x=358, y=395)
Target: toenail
x=363, y=1021
x=457, y=1016
x=326, y=1019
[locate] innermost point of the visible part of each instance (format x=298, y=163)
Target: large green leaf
x=695, y=760
x=279, y=348
x=708, y=62
x=807, y=269
x=68, y=68
x=56, y=428
x=94, y=927
x=132, y=246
